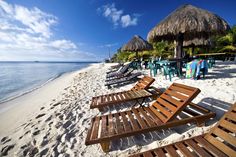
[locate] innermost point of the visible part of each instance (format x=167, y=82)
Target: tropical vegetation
x=163, y=49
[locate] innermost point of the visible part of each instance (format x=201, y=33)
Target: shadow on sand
x=221, y=70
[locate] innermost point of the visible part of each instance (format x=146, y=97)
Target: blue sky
x=84, y=30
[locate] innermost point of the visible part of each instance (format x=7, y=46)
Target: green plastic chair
x=211, y=62
x=170, y=70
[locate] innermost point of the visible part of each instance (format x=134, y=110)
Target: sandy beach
x=53, y=120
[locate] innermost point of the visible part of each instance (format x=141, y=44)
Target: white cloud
x=26, y=34
x=116, y=16
x=35, y=20
x=126, y=21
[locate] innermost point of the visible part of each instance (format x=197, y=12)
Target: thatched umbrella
x=137, y=44
x=186, y=23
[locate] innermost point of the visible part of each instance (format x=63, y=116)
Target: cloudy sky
x=84, y=30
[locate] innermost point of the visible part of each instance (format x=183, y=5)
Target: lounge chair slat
x=220, y=145
x=146, y=117
x=228, y=125
x=171, y=151
x=163, y=110
x=110, y=124
x=231, y=116
x=104, y=126
x=127, y=96
x=167, y=104
x=90, y=131
x=112, y=98
x=192, y=113
x=200, y=151
x=125, y=121
x=139, y=93
x=158, y=114
x=160, y=152
x=170, y=99
x=119, y=126
x=198, y=108
x=225, y=136
x=153, y=116
x=148, y=154
x=139, y=118
x=209, y=147
x=132, y=121
x=95, y=128
x=135, y=94
x=130, y=95
x=184, y=91
x=184, y=150
x=175, y=94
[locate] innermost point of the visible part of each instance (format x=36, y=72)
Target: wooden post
x=179, y=48
x=193, y=46
x=105, y=146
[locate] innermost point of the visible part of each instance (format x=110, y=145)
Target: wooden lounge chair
x=126, y=74
x=123, y=80
x=139, y=91
x=220, y=141
x=162, y=114
x=122, y=70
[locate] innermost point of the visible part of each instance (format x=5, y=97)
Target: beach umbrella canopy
x=136, y=44
x=186, y=23
x=190, y=21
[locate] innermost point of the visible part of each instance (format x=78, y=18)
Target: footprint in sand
x=36, y=132
x=42, y=108
x=40, y=115
x=27, y=132
x=48, y=119
x=5, y=140
x=6, y=149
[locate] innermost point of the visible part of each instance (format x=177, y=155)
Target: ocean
x=18, y=78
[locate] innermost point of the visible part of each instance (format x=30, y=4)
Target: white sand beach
x=54, y=119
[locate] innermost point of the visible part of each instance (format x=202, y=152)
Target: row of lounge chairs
x=121, y=75
x=172, y=108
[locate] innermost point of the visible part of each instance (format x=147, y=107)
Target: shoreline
x=30, y=102
x=11, y=98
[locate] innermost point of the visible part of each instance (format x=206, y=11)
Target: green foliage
x=226, y=43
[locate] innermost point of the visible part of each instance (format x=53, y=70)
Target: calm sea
x=18, y=78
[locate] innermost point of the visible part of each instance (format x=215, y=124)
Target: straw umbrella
x=137, y=44
x=186, y=23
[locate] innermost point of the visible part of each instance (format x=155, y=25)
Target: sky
x=85, y=30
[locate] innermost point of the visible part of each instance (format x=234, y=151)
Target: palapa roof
x=137, y=43
x=193, y=22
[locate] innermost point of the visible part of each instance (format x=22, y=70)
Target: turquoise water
x=18, y=78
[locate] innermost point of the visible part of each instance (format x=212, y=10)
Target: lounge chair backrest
x=222, y=135
x=143, y=83
x=173, y=101
x=124, y=68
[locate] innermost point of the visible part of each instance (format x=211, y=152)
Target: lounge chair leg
x=105, y=146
